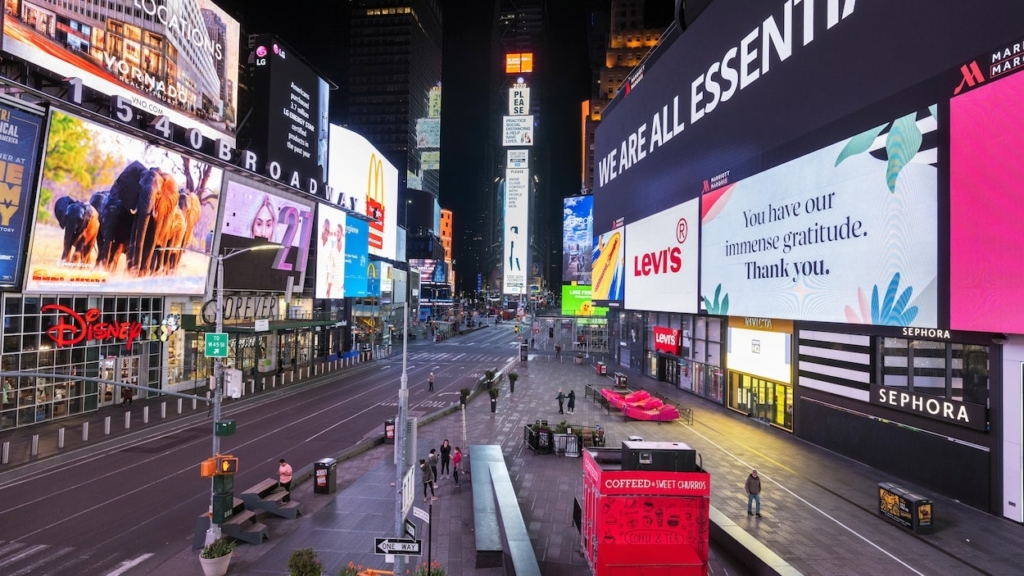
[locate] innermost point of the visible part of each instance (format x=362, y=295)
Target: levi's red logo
x=664, y=261
x=666, y=340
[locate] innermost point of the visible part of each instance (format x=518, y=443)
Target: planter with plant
x=579, y=358
x=216, y=557
x=434, y=569
x=464, y=396
x=493, y=393
x=304, y=562
x=489, y=377
x=512, y=377
x=351, y=570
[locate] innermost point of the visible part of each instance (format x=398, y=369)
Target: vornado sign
x=661, y=261
x=936, y=407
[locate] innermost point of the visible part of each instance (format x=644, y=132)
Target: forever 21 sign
x=936, y=407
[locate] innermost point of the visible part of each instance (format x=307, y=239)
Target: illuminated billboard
x=257, y=215
x=289, y=115
x=837, y=235
x=516, y=228
x=330, y=252
x=431, y=271
x=985, y=266
x=20, y=132
x=518, y=62
x=178, y=59
x=517, y=131
x=518, y=100
x=517, y=158
x=576, y=301
x=357, y=257
x=363, y=181
x=577, y=238
x=118, y=215
x=661, y=261
x=608, y=267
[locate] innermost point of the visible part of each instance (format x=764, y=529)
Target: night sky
x=315, y=29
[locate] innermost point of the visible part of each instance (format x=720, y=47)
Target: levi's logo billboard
x=666, y=340
x=662, y=261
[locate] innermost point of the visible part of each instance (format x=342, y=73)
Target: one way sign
x=401, y=546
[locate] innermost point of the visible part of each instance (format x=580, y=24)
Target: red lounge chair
x=664, y=413
x=616, y=400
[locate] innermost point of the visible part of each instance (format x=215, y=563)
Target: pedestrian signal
x=208, y=467
x=226, y=465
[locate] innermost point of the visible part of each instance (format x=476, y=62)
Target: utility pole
x=400, y=428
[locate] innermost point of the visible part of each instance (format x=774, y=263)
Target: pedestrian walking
x=753, y=489
x=561, y=401
x=446, y=454
x=126, y=397
x=284, y=476
x=572, y=401
x=456, y=462
x=428, y=480
x=432, y=460
x=558, y=351
x=430, y=381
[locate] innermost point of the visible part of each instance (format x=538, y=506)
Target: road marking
x=807, y=503
x=31, y=569
x=129, y=564
x=457, y=357
x=26, y=552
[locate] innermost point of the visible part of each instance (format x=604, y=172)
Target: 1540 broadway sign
x=937, y=407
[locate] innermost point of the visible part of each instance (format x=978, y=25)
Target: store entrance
x=768, y=401
x=668, y=369
x=120, y=369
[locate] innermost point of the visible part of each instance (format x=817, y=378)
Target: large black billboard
x=290, y=116
x=19, y=145
x=750, y=77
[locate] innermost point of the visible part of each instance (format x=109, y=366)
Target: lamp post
x=400, y=427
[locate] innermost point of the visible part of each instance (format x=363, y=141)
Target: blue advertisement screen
x=19, y=142
x=357, y=258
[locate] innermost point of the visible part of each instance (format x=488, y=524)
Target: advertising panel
x=331, y=252
x=431, y=271
x=761, y=353
x=178, y=60
x=518, y=62
x=118, y=215
x=363, y=181
x=517, y=159
x=667, y=340
x=576, y=302
x=290, y=115
x=518, y=100
x=357, y=257
x=608, y=267
x=838, y=235
x=577, y=238
x=19, y=142
x=661, y=261
x=373, y=278
x=517, y=131
x=255, y=215
x=985, y=268
x=517, y=233
x=708, y=89
x=428, y=133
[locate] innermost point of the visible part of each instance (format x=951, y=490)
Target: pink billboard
x=986, y=196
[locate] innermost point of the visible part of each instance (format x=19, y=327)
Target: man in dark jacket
x=753, y=489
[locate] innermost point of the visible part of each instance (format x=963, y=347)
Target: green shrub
x=217, y=548
x=304, y=562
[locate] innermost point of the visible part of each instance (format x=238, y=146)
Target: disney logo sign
x=84, y=327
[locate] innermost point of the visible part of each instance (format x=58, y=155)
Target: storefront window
x=947, y=369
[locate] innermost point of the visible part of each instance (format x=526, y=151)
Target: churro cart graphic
x=645, y=510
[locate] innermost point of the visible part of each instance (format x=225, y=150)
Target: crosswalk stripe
x=129, y=564
x=49, y=557
x=27, y=552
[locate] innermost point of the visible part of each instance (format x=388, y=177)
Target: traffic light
x=226, y=465
x=208, y=467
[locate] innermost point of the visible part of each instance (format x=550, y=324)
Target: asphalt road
x=127, y=508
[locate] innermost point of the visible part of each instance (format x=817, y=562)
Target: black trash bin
x=325, y=476
x=389, y=431
x=620, y=380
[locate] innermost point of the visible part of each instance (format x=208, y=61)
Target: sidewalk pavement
x=820, y=510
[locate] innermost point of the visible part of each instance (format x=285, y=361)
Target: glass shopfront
x=760, y=362
x=686, y=351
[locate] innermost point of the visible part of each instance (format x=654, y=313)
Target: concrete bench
x=501, y=536
x=241, y=525
x=268, y=495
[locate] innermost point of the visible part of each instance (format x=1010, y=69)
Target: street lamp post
x=400, y=428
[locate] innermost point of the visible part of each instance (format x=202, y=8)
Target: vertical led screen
x=608, y=267
x=118, y=215
x=577, y=238
x=174, y=59
x=357, y=257
x=844, y=234
x=363, y=181
x=257, y=215
x=330, y=252
x=661, y=261
x=19, y=142
x=516, y=228
x=425, y=159
x=290, y=115
x=986, y=199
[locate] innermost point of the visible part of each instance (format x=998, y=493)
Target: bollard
x=179, y=405
x=106, y=426
x=273, y=383
x=207, y=396
x=127, y=419
x=163, y=410
x=252, y=387
x=35, y=444
x=193, y=403
x=85, y=431
x=291, y=377
x=60, y=438
x=6, y=456
x=317, y=371
x=145, y=414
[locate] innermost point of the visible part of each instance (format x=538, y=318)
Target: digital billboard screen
x=118, y=215
x=517, y=233
x=517, y=131
x=985, y=266
x=431, y=271
x=330, y=252
x=357, y=257
x=20, y=132
x=577, y=238
x=847, y=233
x=661, y=260
x=608, y=267
x=290, y=113
x=257, y=215
x=576, y=301
x=174, y=59
x=363, y=181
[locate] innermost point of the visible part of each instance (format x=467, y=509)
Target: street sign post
x=399, y=546
x=410, y=529
x=408, y=490
x=216, y=344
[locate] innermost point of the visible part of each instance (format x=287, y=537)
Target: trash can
x=389, y=431
x=602, y=369
x=524, y=352
x=325, y=476
x=620, y=380
x=905, y=508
